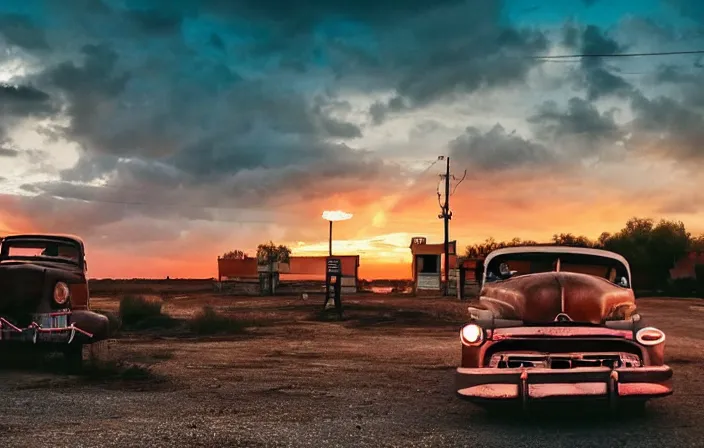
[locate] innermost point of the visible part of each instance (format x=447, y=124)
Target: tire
x=73, y=355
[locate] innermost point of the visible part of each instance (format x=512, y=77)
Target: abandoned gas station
x=427, y=265
x=428, y=273
x=269, y=276
x=427, y=261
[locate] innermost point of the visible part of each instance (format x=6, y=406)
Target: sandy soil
x=381, y=377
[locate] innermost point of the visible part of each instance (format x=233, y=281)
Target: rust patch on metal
x=495, y=391
x=635, y=389
x=564, y=390
x=508, y=333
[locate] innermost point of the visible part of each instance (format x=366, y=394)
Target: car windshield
x=511, y=265
x=63, y=251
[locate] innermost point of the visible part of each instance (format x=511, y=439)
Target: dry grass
x=138, y=312
x=208, y=321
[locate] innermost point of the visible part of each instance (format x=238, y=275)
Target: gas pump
x=333, y=285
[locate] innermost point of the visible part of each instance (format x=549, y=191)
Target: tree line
x=266, y=253
x=651, y=248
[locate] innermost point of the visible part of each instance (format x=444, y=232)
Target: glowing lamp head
x=472, y=334
x=336, y=215
x=61, y=293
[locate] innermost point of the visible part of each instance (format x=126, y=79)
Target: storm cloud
x=158, y=115
x=498, y=149
x=595, y=76
x=18, y=102
x=579, y=128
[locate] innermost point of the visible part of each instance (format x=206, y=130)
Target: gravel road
x=323, y=384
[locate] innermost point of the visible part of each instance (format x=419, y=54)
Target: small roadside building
x=428, y=265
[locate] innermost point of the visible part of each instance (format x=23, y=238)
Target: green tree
x=697, y=244
x=271, y=253
x=567, y=239
x=235, y=255
x=481, y=250
x=669, y=242
x=603, y=239
x=651, y=249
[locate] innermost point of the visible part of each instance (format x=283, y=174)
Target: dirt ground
x=381, y=377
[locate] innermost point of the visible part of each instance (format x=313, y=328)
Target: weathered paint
x=533, y=301
x=566, y=389
x=558, y=332
x=635, y=389
x=79, y=295
x=540, y=297
x=491, y=391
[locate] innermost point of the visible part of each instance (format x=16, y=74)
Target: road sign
x=334, y=266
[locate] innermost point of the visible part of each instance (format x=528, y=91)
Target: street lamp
x=335, y=215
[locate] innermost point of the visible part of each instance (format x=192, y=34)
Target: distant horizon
x=195, y=279
x=164, y=142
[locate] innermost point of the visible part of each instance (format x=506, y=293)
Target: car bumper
x=77, y=327
x=540, y=384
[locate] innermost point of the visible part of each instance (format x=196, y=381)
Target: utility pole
x=448, y=215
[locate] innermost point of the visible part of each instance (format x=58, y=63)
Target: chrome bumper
x=525, y=385
x=53, y=328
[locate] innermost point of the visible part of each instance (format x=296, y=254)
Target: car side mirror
x=623, y=282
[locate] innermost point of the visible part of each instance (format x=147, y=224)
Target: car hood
x=24, y=286
x=39, y=265
x=541, y=297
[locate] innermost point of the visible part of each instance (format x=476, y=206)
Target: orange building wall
x=313, y=265
x=246, y=268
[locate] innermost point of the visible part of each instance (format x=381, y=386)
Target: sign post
x=461, y=280
x=333, y=284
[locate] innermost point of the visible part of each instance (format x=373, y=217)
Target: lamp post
x=334, y=215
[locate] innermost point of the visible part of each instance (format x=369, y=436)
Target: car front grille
x=564, y=360
x=52, y=320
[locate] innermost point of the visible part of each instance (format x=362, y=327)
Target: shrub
x=135, y=309
x=208, y=321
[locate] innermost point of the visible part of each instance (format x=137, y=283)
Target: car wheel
x=74, y=358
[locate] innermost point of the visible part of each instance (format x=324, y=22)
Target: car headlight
x=650, y=336
x=472, y=334
x=61, y=293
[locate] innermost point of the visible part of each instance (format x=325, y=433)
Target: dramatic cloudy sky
x=167, y=132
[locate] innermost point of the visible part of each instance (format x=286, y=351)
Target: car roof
x=555, y=249
x=38, y=236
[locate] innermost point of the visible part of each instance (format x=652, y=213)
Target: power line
x=616, y=55
x=458, y=183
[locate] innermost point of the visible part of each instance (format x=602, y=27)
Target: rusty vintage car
x=44, y=297
x=559, y=323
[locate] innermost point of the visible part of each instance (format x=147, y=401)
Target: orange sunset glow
x=380, y=230
x=160, y=171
